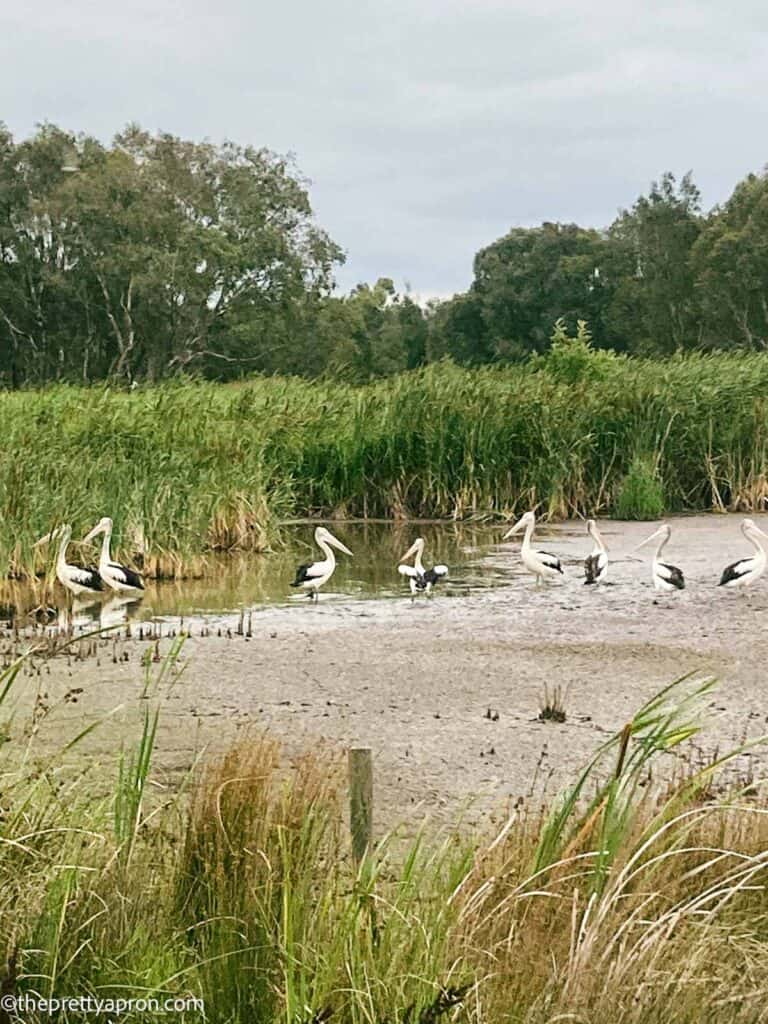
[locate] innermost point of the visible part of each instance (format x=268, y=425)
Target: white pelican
x=420, y=579
x=117, y=577
x=747, y=570
x=76, y=579
x=665, y=576
x=542, y=564
x=596, y=564
x=312, y=575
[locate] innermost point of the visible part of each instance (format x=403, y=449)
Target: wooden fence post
x=361, y=800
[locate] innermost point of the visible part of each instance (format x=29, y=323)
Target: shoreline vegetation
x=191, y=467
x=637, y=895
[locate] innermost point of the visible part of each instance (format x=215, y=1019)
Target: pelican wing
x=595, y=566
x=309, y=571
x=550, y=560
x=85, y=577
x=435, y=574
x=126, y=576
x=734, y=572
x=671, y=574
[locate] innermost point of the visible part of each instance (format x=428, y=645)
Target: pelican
x=665, y=576
x=747, y=570
x=420, y=579
x=312, y=575
x=117, y=577
x=76, y=579
x=596, y=564
x=542, y=564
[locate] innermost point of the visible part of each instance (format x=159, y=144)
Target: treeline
x=156, y=256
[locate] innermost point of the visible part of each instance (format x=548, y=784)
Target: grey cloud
x=428, y=128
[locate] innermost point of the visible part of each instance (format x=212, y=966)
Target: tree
x=658, y=235
x=532, y=277
x=156, y=255
x=730, y=261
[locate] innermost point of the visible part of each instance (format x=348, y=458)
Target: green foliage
x=245, y=896
x=573, y=360
x=641, y=493
x=157, y=256
x=149, y=256
x=188, y=467
x=731, y=263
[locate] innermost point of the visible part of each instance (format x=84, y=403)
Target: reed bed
x=639, y=896
x=186, y=468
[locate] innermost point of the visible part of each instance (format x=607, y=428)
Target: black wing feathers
x=675, y=575
x=551, y=560
x=132, y=579
x=591, y=568
x=735, y=571
x=303, y=573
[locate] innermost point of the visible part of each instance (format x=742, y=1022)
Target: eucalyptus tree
x=730, y=260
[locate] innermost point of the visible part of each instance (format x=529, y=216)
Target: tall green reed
x=186, y=468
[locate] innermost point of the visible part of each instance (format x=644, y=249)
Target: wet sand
x=416, y=680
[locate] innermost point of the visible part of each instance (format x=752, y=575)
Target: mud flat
x=446, y=692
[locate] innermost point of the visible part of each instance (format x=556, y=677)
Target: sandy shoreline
x=416, y=683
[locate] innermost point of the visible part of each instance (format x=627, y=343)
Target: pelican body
x=542, y=564
x=421, y=580
x=665, y=576
x=747, y=570
x=117, y=577
x=75, y=578
x=596, y=564
x=312, y=575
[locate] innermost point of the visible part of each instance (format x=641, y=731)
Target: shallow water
x=240, y=582
x=479, y=562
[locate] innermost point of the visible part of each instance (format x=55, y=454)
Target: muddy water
x=446, y=691
x=479, y=561
x=235, y=583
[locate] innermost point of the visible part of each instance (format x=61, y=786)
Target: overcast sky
x=427, y=127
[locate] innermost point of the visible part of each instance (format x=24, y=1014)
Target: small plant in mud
x=641, y=492
x=553, y=705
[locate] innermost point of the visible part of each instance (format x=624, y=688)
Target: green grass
x=186, y=468
x=629, y=898
x=640, y=494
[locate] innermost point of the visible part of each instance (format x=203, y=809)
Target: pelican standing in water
x=421, y=580
x=747, y=570
x=665, y=576
x=118, y=577
x=75, y=578
x=312, y=575
x=542, y=564
x=596, y=564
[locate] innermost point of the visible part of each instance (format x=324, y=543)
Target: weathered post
x=360, y=800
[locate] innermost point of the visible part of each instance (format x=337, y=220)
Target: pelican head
x=665, y=531
x=103, y=526
x=64, y=529
x=591, y=525
x=529, y=519
x=326, y=537
x=417, y=548
x=750, y=526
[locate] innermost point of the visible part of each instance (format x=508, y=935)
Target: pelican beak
x=653, y=536
x=94, y=533
x=515, y=529
x=44, y=540
x=761, y=532
x=342, y=547
x=410, y=552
